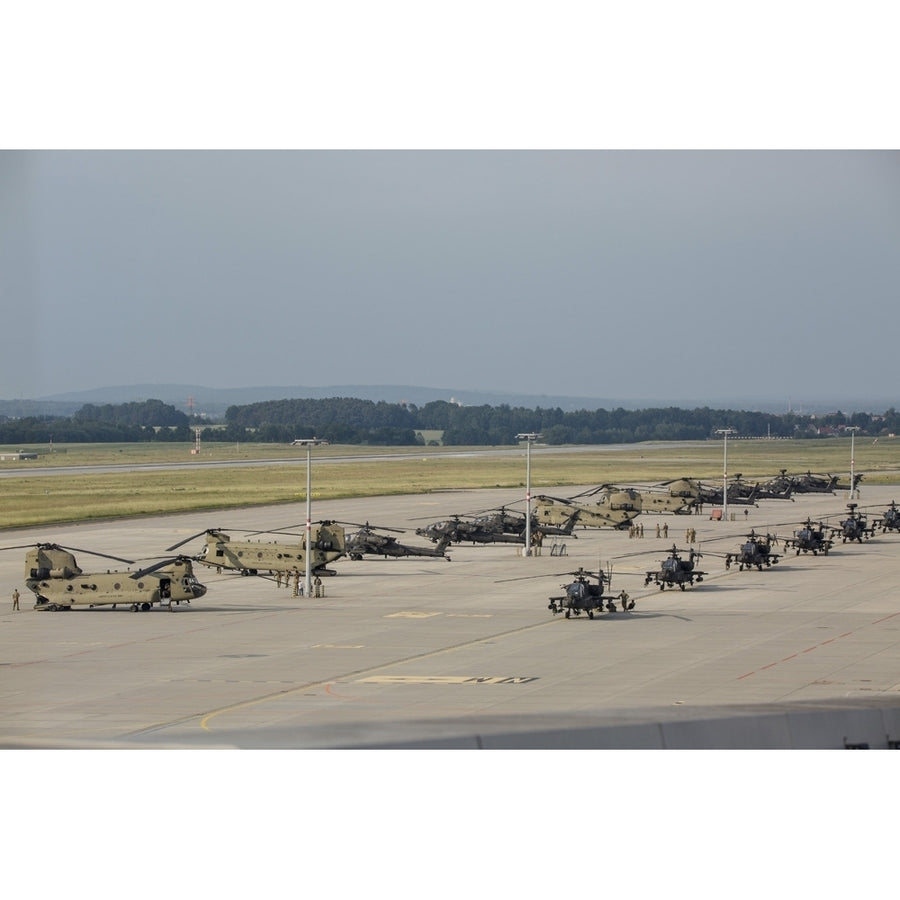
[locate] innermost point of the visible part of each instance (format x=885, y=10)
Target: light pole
x=530, y=437
x=725, y=432
x=309, y=444
x=853, y=492
x=308, y=580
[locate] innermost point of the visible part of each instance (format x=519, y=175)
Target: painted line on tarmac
x=325, y=683
x=815, y=647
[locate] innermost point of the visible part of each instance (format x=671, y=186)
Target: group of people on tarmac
x=291, y=578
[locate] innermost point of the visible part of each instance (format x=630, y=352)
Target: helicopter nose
x=198, y=590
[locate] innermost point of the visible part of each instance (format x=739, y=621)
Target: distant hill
x=213, y=402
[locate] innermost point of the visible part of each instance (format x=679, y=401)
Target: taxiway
x=430, y=653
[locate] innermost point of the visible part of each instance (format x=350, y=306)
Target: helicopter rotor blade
x=75, y=549
x=95, y=553
x=147, y=570
x=187, y=540
x=193, y=537
x=370, y=527
x=581, y=572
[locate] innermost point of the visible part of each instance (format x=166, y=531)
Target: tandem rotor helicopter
x=615, y=508
x=253, y=557
x=53, y=575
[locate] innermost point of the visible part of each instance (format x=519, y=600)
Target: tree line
x=347, y=420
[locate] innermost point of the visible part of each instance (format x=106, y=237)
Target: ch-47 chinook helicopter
x=854, y=527
x=369, y=541
x=253, y=557
x=676, y=570
x=615, y=508
x=59, y=583
x=809, y=538
x=889, y=520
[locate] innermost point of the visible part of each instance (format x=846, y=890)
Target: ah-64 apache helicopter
x=582, y=595
x=889, y=520
x=252, y=557
x=59, y=583
x=493, y=527
x=809, y=538
x=803, y=483
x=755, y=551
x=739, y=492
x=854, y=527
x=808, y=483
x=676, y=570
x=369, y=541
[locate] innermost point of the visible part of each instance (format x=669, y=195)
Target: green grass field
x=47, y=499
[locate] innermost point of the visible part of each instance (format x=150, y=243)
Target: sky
x=556, y=264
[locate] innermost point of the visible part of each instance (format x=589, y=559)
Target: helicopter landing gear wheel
x=146, y=606
x=133, y=607
x=568, y=613
x=590, y=614
x=681, y=585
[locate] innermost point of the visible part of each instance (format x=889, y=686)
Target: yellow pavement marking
x=447, y=679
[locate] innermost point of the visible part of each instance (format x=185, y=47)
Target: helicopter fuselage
x=60, y=587
x=253, y=557
x=612, y=512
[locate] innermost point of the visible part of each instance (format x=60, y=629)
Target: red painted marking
x=816, y=647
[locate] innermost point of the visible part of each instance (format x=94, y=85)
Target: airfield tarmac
x=465, y=654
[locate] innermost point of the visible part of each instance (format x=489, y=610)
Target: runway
x=466, y=654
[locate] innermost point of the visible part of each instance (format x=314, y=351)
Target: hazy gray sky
x=593, y=273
